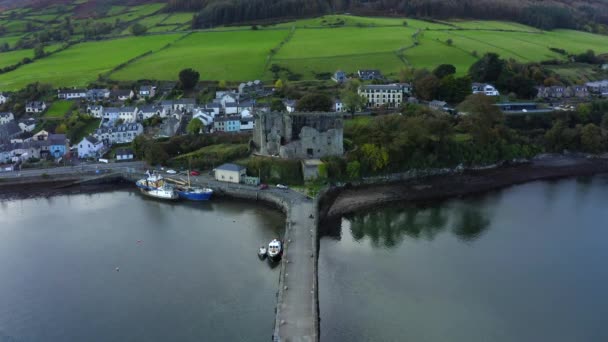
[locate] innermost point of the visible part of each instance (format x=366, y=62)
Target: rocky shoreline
x=339, y=201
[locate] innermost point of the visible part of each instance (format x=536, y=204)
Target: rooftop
x=230, y=167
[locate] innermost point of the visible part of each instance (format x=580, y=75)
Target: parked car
x=172, y=172
x=194, y=173
x=263, y=186
x=281, y=186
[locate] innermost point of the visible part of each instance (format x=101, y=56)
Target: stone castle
x=299, y=135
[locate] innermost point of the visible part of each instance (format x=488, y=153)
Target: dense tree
x=426, y=87
x=481, y=118
x=487, y=69
x=315, y=103
x=39, y=51
x=444, y=70
x=138, y=29
x=454, y=89
x=195, y=126
x=188, y=78
x=277, y=105
x=591, y=138
x=352, y=101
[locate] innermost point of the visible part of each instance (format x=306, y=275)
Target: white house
x=231, y=108
x=95, y=110
x=338, y=106
x=147, y=91
x=97, y=94
x=6, y=118
x=290, y=105
x=69, y=94
x=484, y=88
x=149, y=111
x=247, y=123
x=110, y=115
x=124, y=154
x=89, y=147
x=389, y=95
x=122, y=95
x=124, y=133
x=35, y=107
x=231, y=173
x=4, y=98
x=27, y=125
x=127, y=114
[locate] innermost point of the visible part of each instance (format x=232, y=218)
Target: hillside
x=590, y=15
x=53, y=45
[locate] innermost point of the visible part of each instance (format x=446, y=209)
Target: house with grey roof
x=385, y=95
x=146, y=112
x=122, y=94
x=97, y=94
x=339, y=76
x=4, y=97
x=251, y=87
x=27, y=125
x=231, y=173
x=370, y=74
x=123, y=154
x=89, y=147
x=146, y=91
x=6, y=117
x=120, y=134
x=70, y=94
x=35, y=107
x=95, y=111
x=168, y=128
x=9, y=131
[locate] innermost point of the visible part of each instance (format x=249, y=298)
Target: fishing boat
x=152, y=181
x=275, y=249
x=192, y=193
x=155, y=186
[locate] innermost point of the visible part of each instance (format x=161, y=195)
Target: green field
x=317, y=47
x=231, y=56
x=58, y=109
x=82, y=63
x=14, y=57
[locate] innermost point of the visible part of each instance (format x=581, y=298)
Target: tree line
x=588, y=15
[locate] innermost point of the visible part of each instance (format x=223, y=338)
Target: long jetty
x=297, y=310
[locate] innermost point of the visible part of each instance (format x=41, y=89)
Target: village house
x=97, y=94
x=9, y=131
x=227, y=123
x=439, y=105
x=26, y=150
x=168, y=128
x=247, y=123
x=69, y=94
x=123, y=154
x=120, y=134
x=4, y=97
x=6, y=117
x=89, y=147
x=110, y=115
x=41, y=136
x=299, y=135
x=5, y=156
x=214, y=107
x=310, y=168
x=484, y=88
x=370, y=75
x=127, y=114
x=558, y=92
x=251, y=87
x=95, y=111
x=149, y=111
x=58, y=145
x=290, y=105
x=339, y=106
x=122, y=94
x=35, y=107
x=146, y=91
x=339, y=76
x=598, y=88
x=231, y=173
x=27, y=125
x=387, y=95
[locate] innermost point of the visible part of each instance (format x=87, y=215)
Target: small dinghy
x=275, y=249
x=262, y=252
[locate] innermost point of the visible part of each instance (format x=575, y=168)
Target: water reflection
x=388, y=227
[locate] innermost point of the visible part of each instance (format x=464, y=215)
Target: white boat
x=165, y=192
x=275, y=249
x=262, y=252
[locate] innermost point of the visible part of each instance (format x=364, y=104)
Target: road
x=78, y=169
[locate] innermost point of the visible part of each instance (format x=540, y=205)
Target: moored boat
x=275, y=249
x=194, y=193
x=262, y=252
x=165, y=192
x=152, y=181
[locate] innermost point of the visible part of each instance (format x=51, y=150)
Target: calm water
x=524, y=264
x=194, y=276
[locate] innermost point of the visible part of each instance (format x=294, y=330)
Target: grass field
x=14, y=57
x=319, y=46
x=216, y=55
x=58, y=109
x=11, y=40
x=82, y=63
